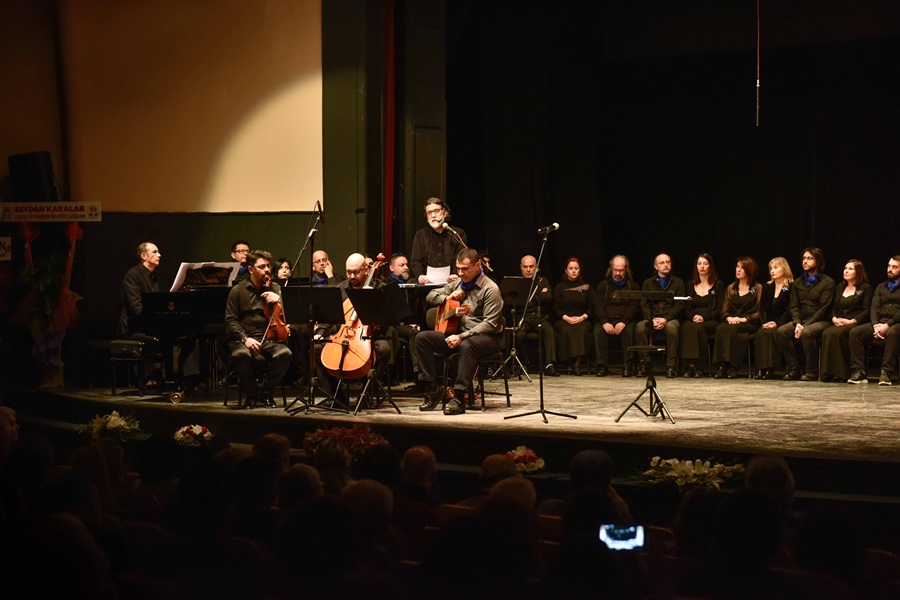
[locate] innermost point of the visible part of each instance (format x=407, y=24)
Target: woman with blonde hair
x=774, y=312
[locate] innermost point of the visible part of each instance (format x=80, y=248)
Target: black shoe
x=433, y=396
x=698, y=374
x=885, y=378
x=721, y=373
x=551, y=371
x=269, y=400
x=810, y=376
x=857, y=377
x=250, y=402
x=769, y=374
x=627, y=372
x=671, y=372
x=792, y=375
x=760, y=374
x=644, y=369
x=457, y=404
x=690, y=372
x=731, y=373
x=602, y=371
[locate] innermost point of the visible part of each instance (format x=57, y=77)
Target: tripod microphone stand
x=534, y=281
x=656, y=407
x=512, y=288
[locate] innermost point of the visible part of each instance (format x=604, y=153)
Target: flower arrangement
x=111, y=425
x=526, y=459
x=193, y=435
x=356, y=439
x=686, y=473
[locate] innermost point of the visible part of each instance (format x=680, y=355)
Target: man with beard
x=884, y=328
x=810, y=306
x=437, y=244
x=398, y=272
x=246, y=325
x=616, y=317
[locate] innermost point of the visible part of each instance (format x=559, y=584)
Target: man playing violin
x=251, y=311
x=479, y=332
x=358, y=270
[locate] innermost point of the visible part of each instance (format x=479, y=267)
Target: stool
x=260, y=367
x=485, y=364
x=133, y=352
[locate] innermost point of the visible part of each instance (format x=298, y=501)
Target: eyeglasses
x=357, y=272
x=434, y=211
x=247, y=251
x=320, y=261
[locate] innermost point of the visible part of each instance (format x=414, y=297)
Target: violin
x=277, y=330
x=349, y=352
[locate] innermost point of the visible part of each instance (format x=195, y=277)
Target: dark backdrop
x=661, y=153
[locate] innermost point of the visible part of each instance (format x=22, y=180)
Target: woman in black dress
x=703, y=315
x=774, y=312
x=572, y=302
x=740, y=313
x=852, y=301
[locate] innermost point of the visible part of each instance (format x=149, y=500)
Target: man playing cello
x=249, y=313
x=478, y=331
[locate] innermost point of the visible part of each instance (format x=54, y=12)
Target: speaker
x=31, y=177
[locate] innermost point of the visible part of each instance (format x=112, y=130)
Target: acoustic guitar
x=446, y=320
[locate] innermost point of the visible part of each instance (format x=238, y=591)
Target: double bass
x=348, y=354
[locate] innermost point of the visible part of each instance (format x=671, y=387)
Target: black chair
x=260, y=365
x=133, y=353
x=489, y=367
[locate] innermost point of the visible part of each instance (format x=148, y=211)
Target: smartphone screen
x=622, y=537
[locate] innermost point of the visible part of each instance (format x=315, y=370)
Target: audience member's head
x=496, y=467
x=372, y=504
x=381, y=463
x=832, y=542
x=419, y=466
x=515, y=489
x=298, y=485
x=591, y=468
x=274, y=447
x=770, y=475
x=588, y=508
x=332, y=461
x=693, y=522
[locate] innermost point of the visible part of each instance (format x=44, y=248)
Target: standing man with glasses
x=437, y=244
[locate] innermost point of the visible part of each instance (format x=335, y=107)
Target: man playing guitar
x=478, y=332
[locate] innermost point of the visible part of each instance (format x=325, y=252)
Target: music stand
x=532, y=292
x=656, y=407
x=378, y=308
x=515, y=291
x=314, y=305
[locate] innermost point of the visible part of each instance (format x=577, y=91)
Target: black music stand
x=378, y=308
x=313, y=305
x=532, y=292
x=657, y=407
x=515, y=291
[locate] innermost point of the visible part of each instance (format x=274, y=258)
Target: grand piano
x=193, y=310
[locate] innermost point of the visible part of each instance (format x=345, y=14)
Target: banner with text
x=50, y=211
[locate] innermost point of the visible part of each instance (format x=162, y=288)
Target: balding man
x=357, y=272
x=542, y=301
x=661, y=316
x=323, y=272
x=139, y=279
x=616, y=317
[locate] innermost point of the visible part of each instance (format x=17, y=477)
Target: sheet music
x=438, y=274
x=185, y=267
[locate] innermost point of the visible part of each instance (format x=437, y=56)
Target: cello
x=348, y=354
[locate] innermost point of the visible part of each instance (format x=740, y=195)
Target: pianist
x=138, y=279
x=246, y=324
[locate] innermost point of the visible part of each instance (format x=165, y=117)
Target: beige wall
x=194, y=105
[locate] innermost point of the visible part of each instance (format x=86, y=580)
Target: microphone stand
x=531, y=295
x=311, y=365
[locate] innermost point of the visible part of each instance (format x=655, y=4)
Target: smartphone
x=622, y=537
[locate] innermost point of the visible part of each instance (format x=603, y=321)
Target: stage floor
x=803, y=420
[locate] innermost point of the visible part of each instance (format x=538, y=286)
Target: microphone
x=548, y=228
x=320, y=212
x=447, y=227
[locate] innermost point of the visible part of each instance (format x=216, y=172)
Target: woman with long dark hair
x=740, y=318
x=573, y=299
x=703, y=315
x=852, y=301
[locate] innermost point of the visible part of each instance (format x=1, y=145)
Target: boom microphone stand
x=545, y=231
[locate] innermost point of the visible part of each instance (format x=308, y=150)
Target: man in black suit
x=664, y=312
x=139, y=279
x=884, y=328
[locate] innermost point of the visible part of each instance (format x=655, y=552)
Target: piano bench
x=136, y=352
